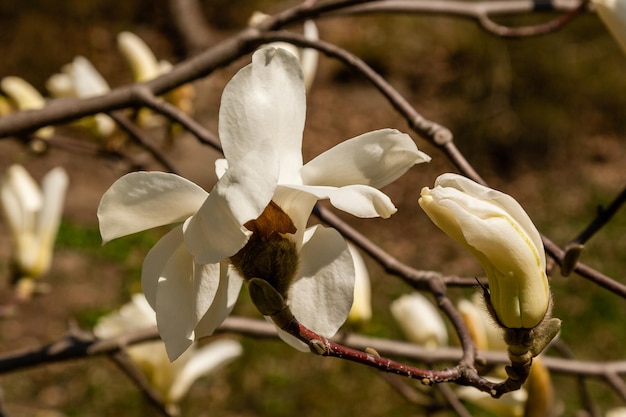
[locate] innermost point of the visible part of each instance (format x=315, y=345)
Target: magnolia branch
x=77, y=345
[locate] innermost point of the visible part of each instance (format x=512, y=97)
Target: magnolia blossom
x=80, y=79
x=419, y=320
x=258, y=210
x=613, y=14
x=499, y=233
x=33, y=215
x=145, y=67
x=486, y=334
x=171, y=379
x=24, y=96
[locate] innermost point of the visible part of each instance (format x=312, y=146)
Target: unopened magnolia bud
x=270, y=254
x=266, y=299
x=499, y=233
x=570, y=259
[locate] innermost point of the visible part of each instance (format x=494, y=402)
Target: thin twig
x=121, y=359
x=138, y=136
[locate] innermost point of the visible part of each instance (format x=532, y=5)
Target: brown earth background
x=542, y=119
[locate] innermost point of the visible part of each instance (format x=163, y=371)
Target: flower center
x=269, y=254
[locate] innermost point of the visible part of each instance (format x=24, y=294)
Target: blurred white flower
x=486, y=334
x=499, y=233
x=33, y=215
x=172, y=379
x=613, y=14
x=419, y=320
x=616, y=412
x=145, y=67
x=258, y=208
x=24, y=96
x=80, y=79
x=509, y=405
x=308, y=57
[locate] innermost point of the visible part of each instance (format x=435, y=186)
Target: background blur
x=541, y=119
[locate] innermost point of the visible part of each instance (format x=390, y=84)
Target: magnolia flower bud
x=25, y=97
x=499, y=233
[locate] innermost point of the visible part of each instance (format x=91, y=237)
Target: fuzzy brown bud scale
x=270, y=254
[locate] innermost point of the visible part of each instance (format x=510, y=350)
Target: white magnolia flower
x=188, y=277
x=145, y=67
x=80, y=79
x=33, y=215
x=613, y=14
x=24, y=96
x=171, y=379
x=419, y=320
x=308, y=57
x=499, y=233
x=139, y=56
x=486, y=334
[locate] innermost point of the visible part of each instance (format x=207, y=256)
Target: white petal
x=362, y=306
x=22, y=93
x=229, y=287
x=613, y=14
x=375, y=158
x=420, y=321
x=298, y=205
x=54, y=186
x=203, y=361
x=359, y=200
x=21, y=200
x=88, y=82
x=309, y=56
x=216, y=231
x=60, y=85
x=178, y=290
x=142, y=200
x=321, y=296
x=139, y=56
x=264, y=103
x=507, y=203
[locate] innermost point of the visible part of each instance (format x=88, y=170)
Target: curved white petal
x=88, y=82
x=230, y=283
x=179, y=290
x=309, y=56
x=361, y=310
x=507, y=203
x=54, y=185
x=217, y=230
x=613, y=14
x=298, y=205
x=419, y=320
x=139, y=56
x=321, y=296
x=359, y=200
x=142, y=200
x=203, y=361
x=25, y=96
x=264, y=104
x=375, y=158
x=21, y=200
x=292, y=341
